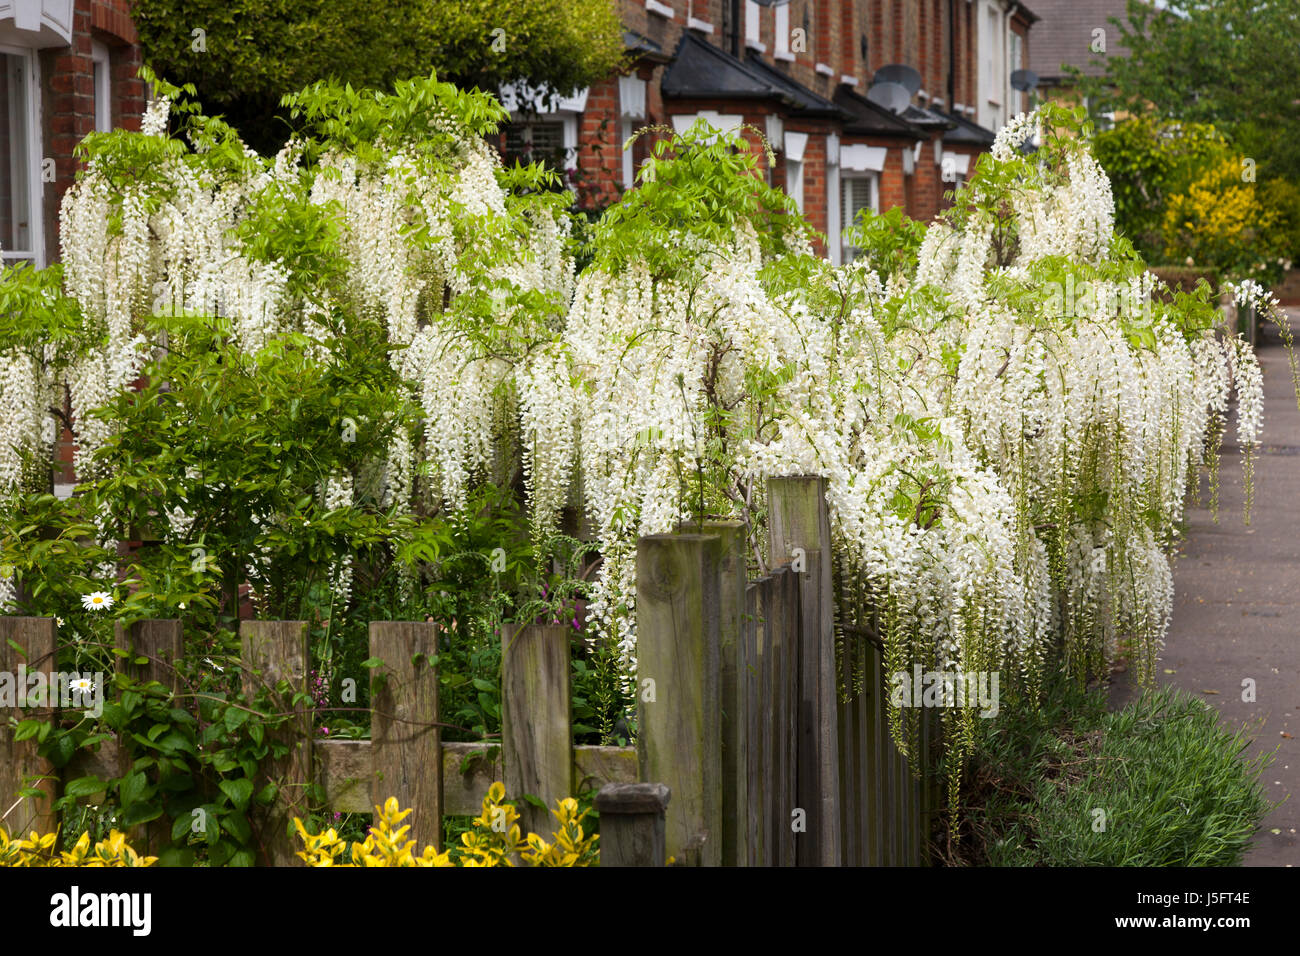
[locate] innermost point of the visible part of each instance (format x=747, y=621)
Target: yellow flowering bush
x=494, y=840
x=1220, y=220
x=38, y=850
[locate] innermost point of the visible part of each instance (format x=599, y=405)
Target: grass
x=1159, y=783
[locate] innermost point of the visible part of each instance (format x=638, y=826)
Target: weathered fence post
x=734, y=689
x=632, y=831
x=536, y=719
x=275, y=651
x=679, y=740
x=405, y=741
x=162, y=642
x=799, y=531
x=27, y=646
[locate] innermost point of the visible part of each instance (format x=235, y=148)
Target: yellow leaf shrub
x=494, y=840
x=1220, y=220
x=38, y=850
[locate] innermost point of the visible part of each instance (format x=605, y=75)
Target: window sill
x=784, y=56
x=661, y=9
x=824, y=70
x=755, y=45
x=701, y=25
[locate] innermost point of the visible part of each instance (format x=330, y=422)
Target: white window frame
x=847, y=177
x=793, y=148
x=754, y=26
x=781, y=33
x=30, y=163
x=565, y=111
x=994, y=80
x=632, y=110
x=103, y=72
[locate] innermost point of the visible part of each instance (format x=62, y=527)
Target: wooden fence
x=746, y=752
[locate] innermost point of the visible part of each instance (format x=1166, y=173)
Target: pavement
x=1237, y=605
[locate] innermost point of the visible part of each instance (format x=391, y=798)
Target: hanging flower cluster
x=1007, y=407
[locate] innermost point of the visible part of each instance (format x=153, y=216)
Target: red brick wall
x=914, y=32
x=68, y=94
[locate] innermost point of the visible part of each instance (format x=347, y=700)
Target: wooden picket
x=751, y=748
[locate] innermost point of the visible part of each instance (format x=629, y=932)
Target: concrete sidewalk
x=1237, y=604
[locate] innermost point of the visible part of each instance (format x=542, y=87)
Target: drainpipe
x=735, y=28
x=952, y=54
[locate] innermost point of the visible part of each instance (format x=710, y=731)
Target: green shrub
x=1170, y=781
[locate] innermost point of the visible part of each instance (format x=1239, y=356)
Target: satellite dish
x=898, y=73
x=1024, y=80
x=892, y=96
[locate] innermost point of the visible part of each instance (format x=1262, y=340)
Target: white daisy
x=97, y=601
x=84, y=685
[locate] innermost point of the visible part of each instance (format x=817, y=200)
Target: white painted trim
x=694, y=23
x=849, y=80
x=794, y=181
x=631, y=97
x=959, y=107
x=513, y=95
x=860, y=158
x=834, y=203
x=38, y=23
x=960, y=162
x=629, y=171
x=794, y=145
x=723, y=122
x=774, y=127
x=100, y=57
x=784, y=57
x=824, y=70
x=660, y=9
x=875, y=196
x=35, y=149
x=755, y=45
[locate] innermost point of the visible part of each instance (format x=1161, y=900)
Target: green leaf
x=28, y=729
x=239, y=791
x=138, y=813
x=84, y=787
x=234, y=718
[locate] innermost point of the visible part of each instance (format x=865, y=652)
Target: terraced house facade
x=867, y=103
x=67, y=68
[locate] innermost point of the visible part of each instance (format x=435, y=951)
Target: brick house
x=67, y=68
x=808, y=74
x=1074, y=33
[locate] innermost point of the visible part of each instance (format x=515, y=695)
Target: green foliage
x=1171, y=781
x=889, y=241
x=1149, y=161
x=249, y=52
x=1223, y=62
x=694, y=194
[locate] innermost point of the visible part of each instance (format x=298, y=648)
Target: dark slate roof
x=1064, y=35
x=808, y=103
x=644, y=47
x=968, y=132
x=869, y=119
x=926, y=118
x=639, y=44
x=700, y=70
